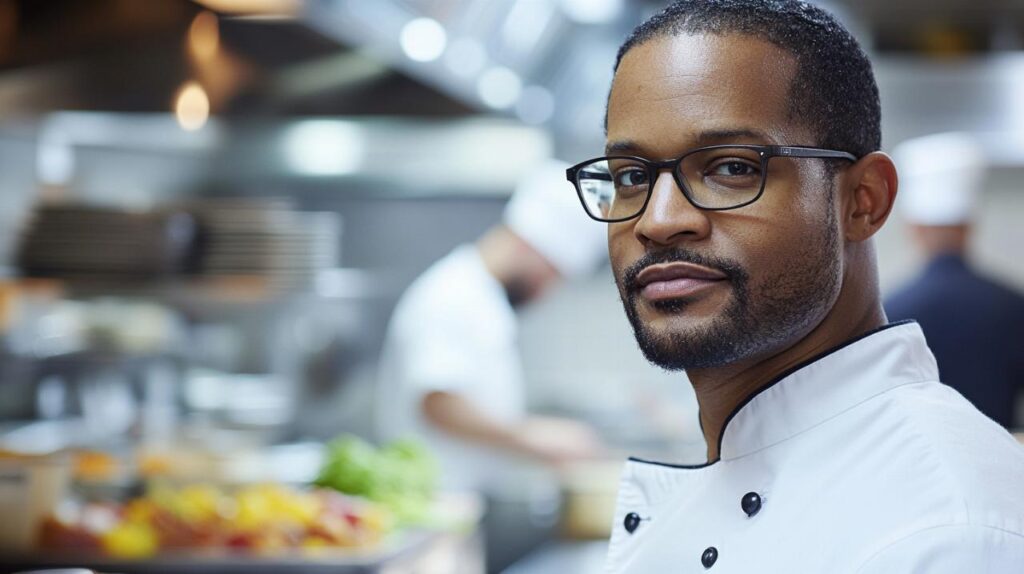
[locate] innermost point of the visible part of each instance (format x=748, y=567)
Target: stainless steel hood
x=543, y=63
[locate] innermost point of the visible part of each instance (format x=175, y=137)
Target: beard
x=758, y=318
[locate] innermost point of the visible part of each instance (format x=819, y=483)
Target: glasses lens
x=721, y=178
x=613, y=188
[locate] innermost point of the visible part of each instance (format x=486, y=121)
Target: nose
x=669, y=216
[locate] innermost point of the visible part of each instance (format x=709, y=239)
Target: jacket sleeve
x=954, y=549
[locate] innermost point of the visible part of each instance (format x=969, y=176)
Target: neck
x=938, y=240
x=520, y=268
x=721, y=390
x=497, y=250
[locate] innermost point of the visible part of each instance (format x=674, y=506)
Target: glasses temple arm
x=810, y=152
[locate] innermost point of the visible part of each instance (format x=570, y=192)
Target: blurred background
x=211, y=208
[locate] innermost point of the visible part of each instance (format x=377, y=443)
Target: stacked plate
x=73, y=241
x=265, y=238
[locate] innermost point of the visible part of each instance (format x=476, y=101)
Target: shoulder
x=950, y=549
x=932, y=290
x=991, y=296
x=982, y=460
x=1006, y=296
x=907, y=301
x=964, y=505
x=924, y=456
x=456, y=292
x=977, y=461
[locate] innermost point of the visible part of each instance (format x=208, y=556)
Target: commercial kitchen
x=213, y=207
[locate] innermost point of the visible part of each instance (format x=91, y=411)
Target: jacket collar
x=827, y=385
x=945, y=262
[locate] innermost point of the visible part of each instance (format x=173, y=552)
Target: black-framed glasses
x=714, y=178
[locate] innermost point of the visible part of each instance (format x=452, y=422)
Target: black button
x=751, y=503
x=709, y=557
x=631, y=522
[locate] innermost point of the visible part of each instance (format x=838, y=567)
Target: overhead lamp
x=499, y=87
x=1013, y=67
x=55, y=160
x=254, y=7
x=591, y=11
x=192, y=106
x=465, y=57
x=525, y=25
x=324, y=147
x=204, y=35
x=536, y=105
x=423, y=39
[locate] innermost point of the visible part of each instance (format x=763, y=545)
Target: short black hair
x=834, y=90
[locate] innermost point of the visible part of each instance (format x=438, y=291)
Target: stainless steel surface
x=415, y=550
x=563, y=558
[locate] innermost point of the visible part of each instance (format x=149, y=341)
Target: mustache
x=733, y=271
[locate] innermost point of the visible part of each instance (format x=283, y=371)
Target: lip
x=676, y=280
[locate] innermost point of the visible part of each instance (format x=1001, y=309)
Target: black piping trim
x=769, y=385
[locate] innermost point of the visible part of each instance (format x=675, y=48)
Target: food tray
x=404, y=547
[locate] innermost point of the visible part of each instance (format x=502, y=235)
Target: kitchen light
x=591, y=11
x=525, y=25
x=55, y=159
x=1013, y=68
x=324, y=147
x=536, y=105
x=264, y=7
x=204, y=35
x=465, y=57
x=192, y=106
x=499, y=87
x=423, y=39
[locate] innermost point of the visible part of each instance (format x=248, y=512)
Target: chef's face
x=704, y=289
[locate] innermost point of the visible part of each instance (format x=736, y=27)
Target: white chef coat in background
x=858, y=462
x=453, y=330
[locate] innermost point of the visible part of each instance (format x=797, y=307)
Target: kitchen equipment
x=589, y=493
x=266, y=238
x=84, y=242
x=31, y=487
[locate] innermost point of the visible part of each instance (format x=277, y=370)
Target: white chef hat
x=940, y=177
x=546, y=212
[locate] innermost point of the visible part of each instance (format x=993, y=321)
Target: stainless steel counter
x=458, y=553
x=563, y=557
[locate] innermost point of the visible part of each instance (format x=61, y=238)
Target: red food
x=57, y=535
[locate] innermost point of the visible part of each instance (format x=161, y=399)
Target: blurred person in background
x=974, y=325
x=450, y=371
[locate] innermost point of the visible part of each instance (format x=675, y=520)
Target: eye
x=630, y=177
x=733, y=168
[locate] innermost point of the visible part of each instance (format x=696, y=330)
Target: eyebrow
x=709, y=137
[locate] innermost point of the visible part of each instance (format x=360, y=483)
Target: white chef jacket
x=453, y=330
x=859, y=461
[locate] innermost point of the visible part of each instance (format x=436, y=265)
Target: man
x=974, y=325
x=831, y=445
x=450, y=371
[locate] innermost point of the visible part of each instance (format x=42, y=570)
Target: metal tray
x=407, y=547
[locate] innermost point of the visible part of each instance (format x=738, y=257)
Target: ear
x=869, y=193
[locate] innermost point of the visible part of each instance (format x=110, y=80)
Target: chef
x=450, y=371
x=742, y=185
x=974, y=325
